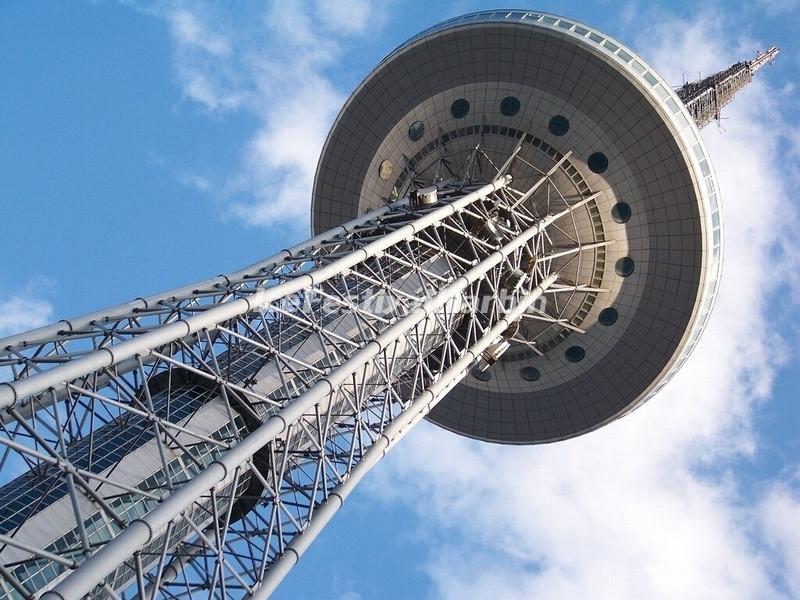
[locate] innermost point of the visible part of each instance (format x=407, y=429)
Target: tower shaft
x=222, y=424
x=704, y=99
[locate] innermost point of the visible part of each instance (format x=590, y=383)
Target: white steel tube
x=106, y=315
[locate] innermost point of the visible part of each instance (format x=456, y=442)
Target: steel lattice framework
x=264, y=395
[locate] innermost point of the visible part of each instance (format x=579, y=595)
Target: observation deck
x=547, y=96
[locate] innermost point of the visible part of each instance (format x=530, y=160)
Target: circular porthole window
x=481, y=375
x=621, y=212
x=530, y=373
x=416, y=131
x=608, y=316
x=559, y=125
x=459, y=108
x=575, y=354
x=598, y=162
x=510, y=106
x=624, y=266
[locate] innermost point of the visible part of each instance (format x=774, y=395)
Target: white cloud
x=780, y=519
x=205, y=62
x=652, y=505
x=272, y=64
x=351, y=16
x=22, y=311
x=779, y=7
x=191, y=33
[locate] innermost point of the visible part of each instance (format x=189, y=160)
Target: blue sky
x=145, y=145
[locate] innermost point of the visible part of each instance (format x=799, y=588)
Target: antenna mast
x=705, y=98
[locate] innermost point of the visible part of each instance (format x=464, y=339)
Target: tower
x=517, y=236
